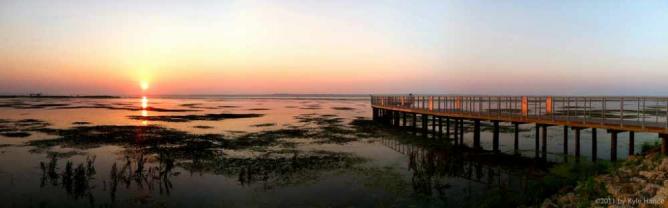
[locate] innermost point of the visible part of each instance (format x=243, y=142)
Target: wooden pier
x=616, y=115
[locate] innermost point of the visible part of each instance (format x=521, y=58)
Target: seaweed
x=154, y=138
x=16, y=134
x=21, y=128
x=343, y=108
x=264, y=125
x=259, y=109
x=197, y=106
x=275, y=169
x=188, y=118
x=93, y=136
x=228, y=106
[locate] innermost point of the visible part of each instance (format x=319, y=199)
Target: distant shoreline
x=60, y=96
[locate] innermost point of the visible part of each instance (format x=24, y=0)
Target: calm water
x=245, y=152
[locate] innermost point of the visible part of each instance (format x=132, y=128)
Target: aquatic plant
x=75, y=181
x=188, y=118
x=80, y=123
x=20, y=128
x=343, y=108
x=258, y=109
x=272, y=170
x=228, y=106
x=264, y=125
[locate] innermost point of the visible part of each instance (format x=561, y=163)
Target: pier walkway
x=614, y=114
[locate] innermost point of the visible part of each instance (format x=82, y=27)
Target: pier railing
x=622, y=113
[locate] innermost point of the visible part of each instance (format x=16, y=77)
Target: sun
x=143, y=85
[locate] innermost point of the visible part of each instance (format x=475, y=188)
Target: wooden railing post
x=525, y=106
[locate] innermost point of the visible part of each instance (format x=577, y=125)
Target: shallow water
x=246, y=152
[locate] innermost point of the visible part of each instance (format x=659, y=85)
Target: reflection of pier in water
x=434, y=169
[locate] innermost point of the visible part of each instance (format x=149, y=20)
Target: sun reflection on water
x=144, y=112
x=144, y=102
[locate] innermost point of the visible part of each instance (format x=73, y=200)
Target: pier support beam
x=632, y=136
x=577, y=143
x=374, y=113
x=440, y=127
x=425, y=125
x=565, y=141
x=456, y=127
x=403, y=118
x=517, y=138
x=414, y=120
x=544, y=143
x=433, y=126
x=461, y=131
x=594, y=144
x=537, y=140
x=447, y=128
x=476, y=134
x=495, y=137
x=390, y=117
x=613, y=145
x=382, y=116
x=397, y=117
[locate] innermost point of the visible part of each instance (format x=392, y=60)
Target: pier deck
x=615, y=114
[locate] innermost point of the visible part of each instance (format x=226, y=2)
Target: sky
x=598, y=47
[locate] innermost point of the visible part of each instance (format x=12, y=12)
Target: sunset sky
x=238, y=47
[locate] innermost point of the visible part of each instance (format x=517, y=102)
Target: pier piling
x=537, y=140
x=594, y=149
x=517, y=138
x=456, y=127
x=613, y=145
x=476, y=134
x=632, y=136
x=461, y=132
x=544, y=143
x=447, y=128
x=440, y=127
x=495, y=137
x=566, y=141
x=577, y=143
x=664, y=143
x=414, y=120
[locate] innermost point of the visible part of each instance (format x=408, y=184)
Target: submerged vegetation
x=264, y=124
x=20, y=128
x=343, y=108
x=188, y=118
